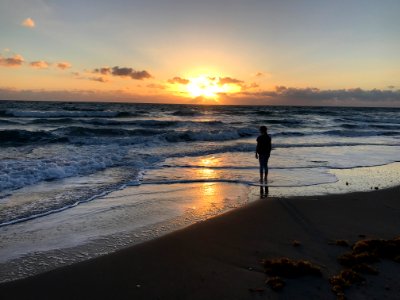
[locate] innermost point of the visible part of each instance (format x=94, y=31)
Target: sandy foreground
x=220, y=258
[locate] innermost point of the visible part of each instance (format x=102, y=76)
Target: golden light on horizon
x=205, y=86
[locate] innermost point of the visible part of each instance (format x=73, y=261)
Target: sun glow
x=206, y=86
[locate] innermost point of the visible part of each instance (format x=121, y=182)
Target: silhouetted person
x=263, y=152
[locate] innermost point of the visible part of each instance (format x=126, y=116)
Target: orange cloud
x=63, y=65
x=40, y=64
x=28, y=22
x=155, y=86
x=178, y=80
x=229, y=80
x=98, y=78
x=15, y=61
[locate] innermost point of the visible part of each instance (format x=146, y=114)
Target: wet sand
x=220, y=258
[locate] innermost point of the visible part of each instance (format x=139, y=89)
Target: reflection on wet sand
x=264, y=190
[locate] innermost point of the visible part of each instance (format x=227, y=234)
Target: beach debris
x=276, y=283
x=365, y=268
x=290, y=268
x=276, y=268
x=389, y=249
x=344, y=279
x=363, y=253
x=296, y=243
x=376, y=188
x=350, y=259
x=347, y=183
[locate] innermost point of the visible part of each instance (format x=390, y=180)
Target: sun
x=203, y=86
x=208, y=86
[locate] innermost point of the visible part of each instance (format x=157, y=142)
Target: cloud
x=98, y=78
x=252, y=85
x=229, y=80
x=179, y=80
x=259, y=74
x=315, y=96
x=63, y=65
x=40, y=64
x=123, y=72
x=391, y=87
x=104, y=70
x=15, y=61
x=155, y=86
x=28, y=22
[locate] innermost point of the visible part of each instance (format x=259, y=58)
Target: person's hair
x=263, y=129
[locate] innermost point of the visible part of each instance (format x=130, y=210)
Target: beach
x=220, y=258
x=156, y=201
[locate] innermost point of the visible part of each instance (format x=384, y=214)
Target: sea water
x=105, y=175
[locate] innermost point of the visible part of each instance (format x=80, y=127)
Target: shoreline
x=219, y=258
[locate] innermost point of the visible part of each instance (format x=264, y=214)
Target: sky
x=300, y=52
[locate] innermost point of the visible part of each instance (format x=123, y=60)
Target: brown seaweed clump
x=350, y=259
x=343, y=280
x=296, y=243
x=276, y=283
x=363, y=253
x=389, y=249
x=290, y=268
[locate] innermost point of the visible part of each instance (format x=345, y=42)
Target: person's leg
x=261, y=161
x=266, y=169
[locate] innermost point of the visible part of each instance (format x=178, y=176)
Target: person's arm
x=270, y=145
x=257, y=150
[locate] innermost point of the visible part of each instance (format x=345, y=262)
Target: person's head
x=263, y=129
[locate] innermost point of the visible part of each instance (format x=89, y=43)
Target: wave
x=7, y=122
x=286, y=122
x=187, y=113
x=113, y=122
x=78, y=131
x=68, y=114
x=15, y=137
x=15, y=174
x=245, y=182
x=212, y=135
x=360, y=133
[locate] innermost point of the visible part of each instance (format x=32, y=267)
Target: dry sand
x=220, y=258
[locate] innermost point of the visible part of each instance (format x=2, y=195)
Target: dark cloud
x=15, y=61
x=179, y=80
x=229, y=80
x=124, y=72
x=259, y=74
x=104, y=70
x=391, y=87
x=315, y=96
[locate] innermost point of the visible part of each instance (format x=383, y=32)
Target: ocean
x=100, y=176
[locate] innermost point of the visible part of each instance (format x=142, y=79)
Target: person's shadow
x=264, y=190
